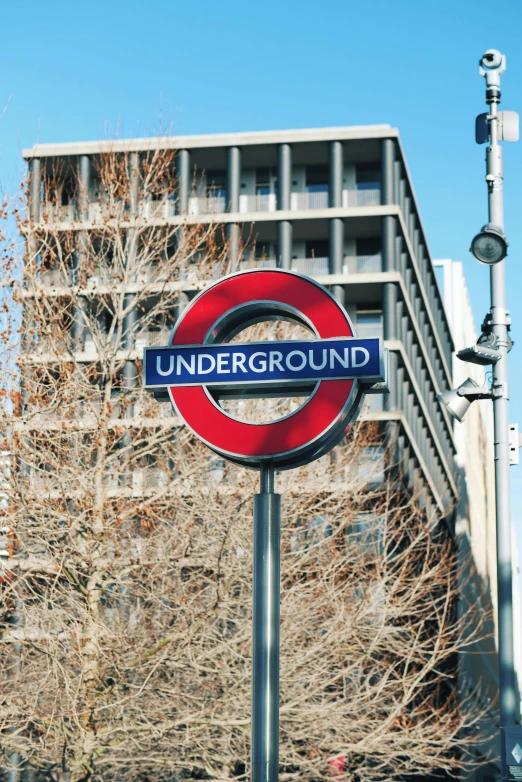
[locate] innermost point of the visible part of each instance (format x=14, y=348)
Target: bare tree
x=125, y=635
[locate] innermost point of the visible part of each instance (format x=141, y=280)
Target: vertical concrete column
x=407, y=211
x=335, y=190
x=398, y=254
x=183, y=169
x=84, y=194
x=80, y=258
x=337, y=254
x=389, y=235
x=390, y=288
x=284, y=244
x=35, y=180
x=183, y=172
x=397, y=182
x=402, y=198
x=387, y=170
x=284, y=191
x=284, y=183
x=134, y=183
x=233, y=178
x=336, y=245
x=129, y=324
x=130, y=318
x=35, y=175
x=233, y=185
x=389, y=305
x=35, y=171
x=335, y=194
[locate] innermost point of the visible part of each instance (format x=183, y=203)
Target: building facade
x=337, y=204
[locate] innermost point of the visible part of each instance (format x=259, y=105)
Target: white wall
x=474, y=440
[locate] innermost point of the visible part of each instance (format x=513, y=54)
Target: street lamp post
x=489, y=247
x=492, y=65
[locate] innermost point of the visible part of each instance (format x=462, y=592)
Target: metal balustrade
x=55, y=277
x=164, y=207
x=258, y=203
x=312, y=267
x=149, y=338
x=102, y=275
x=100, y=211
x=300, y=201
x=369, y=329
x=157, y=209
x=351, y=198
x=53, y=212
x=362, y=264
x=207, y=205
x=149, y=478
x=258, y=263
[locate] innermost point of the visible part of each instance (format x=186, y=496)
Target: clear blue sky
x=78, y=71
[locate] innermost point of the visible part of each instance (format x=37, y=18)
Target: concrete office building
x=337, y=204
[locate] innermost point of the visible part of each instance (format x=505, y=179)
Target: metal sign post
x=334, y=368
x=265, y=635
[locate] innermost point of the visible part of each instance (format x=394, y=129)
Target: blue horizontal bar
x=262, y=363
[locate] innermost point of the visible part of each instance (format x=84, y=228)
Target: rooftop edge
x=210, y=140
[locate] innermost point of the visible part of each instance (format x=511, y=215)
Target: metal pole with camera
x=489, y=247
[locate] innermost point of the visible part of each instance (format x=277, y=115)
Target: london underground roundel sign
x=201, y=365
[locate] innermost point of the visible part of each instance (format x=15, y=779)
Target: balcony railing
x=102, y=275
x=363, y=264
x=100, y=211
x=373, y=403
x=300, y=201
x=258, y=263
x=313, y=267
x=106, y=276
x=258, y=203
x=369, y=329
x=58, y=213
x=148, y=478
x=53, y=278
x=157, y=209
x=145, y=339
x=207, y=205
x=361, y=198
x=164, y=207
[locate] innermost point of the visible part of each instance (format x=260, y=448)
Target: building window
x=371, y=465
x=266, y=182
x=369, y=257
x=317, y=248
x=369, y=323
x=368, y=177
x=217, y=186
x=369, y=245
x=366, y=533
x=316, y=179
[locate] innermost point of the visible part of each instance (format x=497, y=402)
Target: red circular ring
x=332, y=404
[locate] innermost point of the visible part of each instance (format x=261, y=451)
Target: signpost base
x=265, y=652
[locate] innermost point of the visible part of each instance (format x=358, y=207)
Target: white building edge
x=476, y=526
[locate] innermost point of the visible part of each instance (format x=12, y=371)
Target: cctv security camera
x=492, y=65
x=491, y=59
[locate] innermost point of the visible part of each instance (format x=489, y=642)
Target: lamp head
x=455, y=401
x=489, y=246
